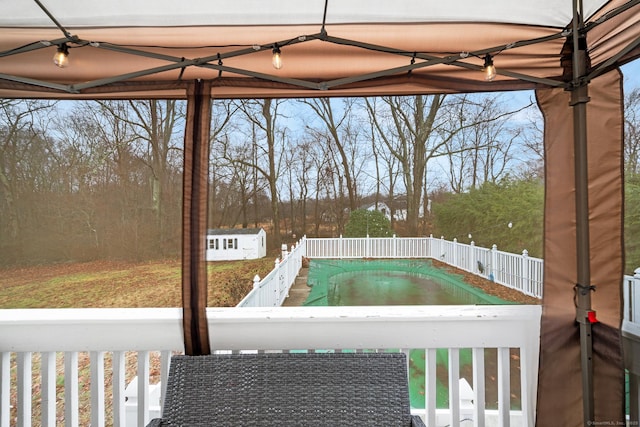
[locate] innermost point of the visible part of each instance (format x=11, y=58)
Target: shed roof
x=233, y=231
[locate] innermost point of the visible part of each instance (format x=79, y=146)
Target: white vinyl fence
x=520, y=272
x=274, y=288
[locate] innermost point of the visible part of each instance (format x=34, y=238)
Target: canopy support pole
x=579, y=100
x=194, y=219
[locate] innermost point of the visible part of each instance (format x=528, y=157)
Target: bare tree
x=21, y=144
x=632, y=132
x=482, y=139
x=222, y=125
x=408, y=127
x=263, y=114
x=156, y=143
x=303, y=176
x=387, y=169
x=338, y=128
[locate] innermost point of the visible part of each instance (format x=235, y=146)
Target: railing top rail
x=241, y=328
x=89, y=329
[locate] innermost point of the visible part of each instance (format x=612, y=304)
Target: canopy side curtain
x=560, y=388
x=194, y=219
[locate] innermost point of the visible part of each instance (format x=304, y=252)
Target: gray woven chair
x=288, y=389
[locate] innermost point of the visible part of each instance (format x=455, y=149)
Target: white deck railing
x=34, y=339
x=49, y=358
x=520, y=272
x=631, y=339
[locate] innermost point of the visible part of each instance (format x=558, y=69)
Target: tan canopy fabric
x=560, y=384
x=199, y=49
x=145, y=49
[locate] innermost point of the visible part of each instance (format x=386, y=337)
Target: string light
x=61, y=57
x=489, y=68
x=276, y=60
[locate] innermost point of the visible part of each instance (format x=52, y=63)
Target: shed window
x=230, y=243
x=214, y=244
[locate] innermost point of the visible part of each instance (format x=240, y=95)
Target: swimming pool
x=406, y=282
x=389, y=282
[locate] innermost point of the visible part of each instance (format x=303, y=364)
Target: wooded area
x=88, y=180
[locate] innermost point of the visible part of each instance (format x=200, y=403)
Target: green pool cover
x=389, y=282
x=397, y=282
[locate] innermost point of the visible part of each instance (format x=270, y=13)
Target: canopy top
x=328, y=48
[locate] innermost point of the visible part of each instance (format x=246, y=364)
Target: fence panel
x=274, y=288
x=519, y=272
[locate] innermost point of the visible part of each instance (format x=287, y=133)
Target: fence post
x=455, y=252
x=395, y=247
x=303, y=242
x=340, y=247
x=526, y=284
x=367, y=249
x=472, y=256
x=256, y=281
x=442, y=253
x=494, y=263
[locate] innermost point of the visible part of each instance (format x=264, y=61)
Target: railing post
x=97, y=388
x=256, y=281
x=143, y=387
x=71, y=406
x=526, y=285
x=48, y=391
x=24, y=372
x=118, y=380
x=340, y=243
x=5, y=374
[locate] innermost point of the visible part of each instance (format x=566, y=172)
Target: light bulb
x=489, y=68
x=61, y=57
x=276, y=60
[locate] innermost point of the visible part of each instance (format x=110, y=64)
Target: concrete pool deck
x=299, y=291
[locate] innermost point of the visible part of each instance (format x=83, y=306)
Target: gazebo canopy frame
x=328, y=49
x=568, y=51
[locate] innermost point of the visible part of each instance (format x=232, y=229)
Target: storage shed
x=227, y=244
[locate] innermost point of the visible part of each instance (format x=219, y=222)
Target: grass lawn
x=101, y=284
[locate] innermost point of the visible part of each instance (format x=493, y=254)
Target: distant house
x=227, y=244
x=380, y=207
x=400, y=214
